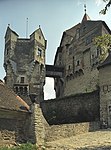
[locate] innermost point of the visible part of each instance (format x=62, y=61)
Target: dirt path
x=91, y=140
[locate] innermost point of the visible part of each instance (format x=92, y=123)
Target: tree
x=103, y=11
x=104, y=44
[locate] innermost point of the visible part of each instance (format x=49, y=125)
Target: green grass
x=27, y=146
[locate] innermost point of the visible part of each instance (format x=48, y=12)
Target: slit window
x=78, y=63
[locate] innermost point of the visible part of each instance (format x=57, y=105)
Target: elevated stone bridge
x=54, y=71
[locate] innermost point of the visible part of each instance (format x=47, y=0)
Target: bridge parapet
x=54, y=71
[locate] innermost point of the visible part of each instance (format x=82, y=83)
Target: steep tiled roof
x=9, y=100
x=72, y=30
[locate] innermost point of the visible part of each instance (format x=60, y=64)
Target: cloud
x=49, y=91
x=99, y=2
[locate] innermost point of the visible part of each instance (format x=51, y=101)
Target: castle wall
x=37, y=124
x=45, y=133
x=80, y=60
x=56, y=132
x=18, y=127
x=13, y=127
x=105, y=94
x=72, y=109
x=82, y=83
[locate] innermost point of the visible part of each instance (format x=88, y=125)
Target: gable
x=9, y=31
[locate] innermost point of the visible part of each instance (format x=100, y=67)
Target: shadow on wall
x=72, y=109
x=16, y=129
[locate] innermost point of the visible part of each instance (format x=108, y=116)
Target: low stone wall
x=72, y=109
x=47, y=133
x=56, y=132
x=12, y=127
x=18, y=127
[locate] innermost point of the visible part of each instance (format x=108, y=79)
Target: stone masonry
x=79, y=56
x=24, y=63
x=83, y=87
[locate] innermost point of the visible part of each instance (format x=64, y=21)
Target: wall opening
x=49, y=92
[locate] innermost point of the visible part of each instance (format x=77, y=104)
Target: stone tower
x=24, y=63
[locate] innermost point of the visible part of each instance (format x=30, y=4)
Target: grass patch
x=27, y=146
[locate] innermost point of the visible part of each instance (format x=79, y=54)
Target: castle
x=81, y=80
x=84, y=71
x=80, y=57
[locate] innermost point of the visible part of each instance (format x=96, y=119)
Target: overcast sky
x=54, y=17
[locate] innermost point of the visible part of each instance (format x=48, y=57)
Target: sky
x=54, y=17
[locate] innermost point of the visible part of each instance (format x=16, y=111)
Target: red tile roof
x=9, y=100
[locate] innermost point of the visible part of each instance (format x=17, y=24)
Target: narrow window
x=78, y=63
x=69, y=69
x=21, y=90
x=25, y=90
x=7, y=51
x=22, y=80
x=16, y=89
x=39, y=37
x=99, y=51
x=39, y=52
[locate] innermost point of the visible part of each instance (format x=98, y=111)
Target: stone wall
x=76, y=85
x=46, y=133
x=105, y=95
x=81, y=82
x=17, y=127
x=13, y=127
x=56, y=132
x=37, y=126
x=79, y=58
x=72, y=109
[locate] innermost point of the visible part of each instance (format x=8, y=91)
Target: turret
x=10, y=42
x=39, y=41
